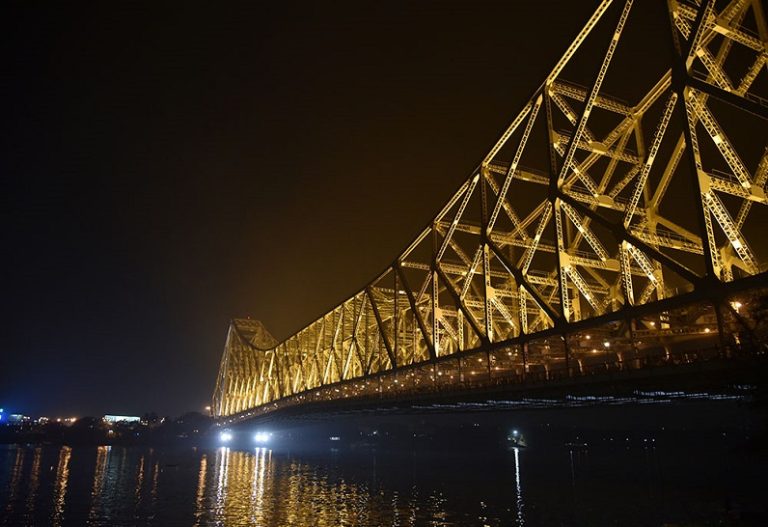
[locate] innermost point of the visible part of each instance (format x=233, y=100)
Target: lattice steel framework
x=586, y=209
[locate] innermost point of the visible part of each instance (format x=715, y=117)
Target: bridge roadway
x=715, y=377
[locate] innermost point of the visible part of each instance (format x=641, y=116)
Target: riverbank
x=191, y=428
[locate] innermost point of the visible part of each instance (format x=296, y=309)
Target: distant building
x=121, y=418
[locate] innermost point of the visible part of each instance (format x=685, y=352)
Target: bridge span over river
x=615, y=232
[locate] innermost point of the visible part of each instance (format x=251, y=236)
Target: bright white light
x=335, y=438
x=607, y=344
x=225, y=437
x=515, y=432
x=262, y=437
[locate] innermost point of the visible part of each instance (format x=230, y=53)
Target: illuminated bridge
x=617, y=227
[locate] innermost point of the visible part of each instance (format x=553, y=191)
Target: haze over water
x=707, y=478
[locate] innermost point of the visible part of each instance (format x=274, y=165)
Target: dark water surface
x=614, y=481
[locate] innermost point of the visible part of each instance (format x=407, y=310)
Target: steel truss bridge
x=597, y=235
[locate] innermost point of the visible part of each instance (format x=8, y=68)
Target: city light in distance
x=226, y=436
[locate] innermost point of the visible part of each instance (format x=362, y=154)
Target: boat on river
x=516, y=439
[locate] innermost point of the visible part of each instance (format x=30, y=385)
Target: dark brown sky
x=166, y=168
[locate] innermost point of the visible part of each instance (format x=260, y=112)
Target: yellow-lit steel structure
x=594, y=227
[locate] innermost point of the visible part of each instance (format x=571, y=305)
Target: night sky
x=168, y=167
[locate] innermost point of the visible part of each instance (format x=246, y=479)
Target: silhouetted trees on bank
x=189, y=428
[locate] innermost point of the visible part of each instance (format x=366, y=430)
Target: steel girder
x=586, y=208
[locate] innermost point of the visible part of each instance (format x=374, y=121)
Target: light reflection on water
x=248, y=492
x=102, y=486
x=200, y=489
x=518, y=489
x=60, y=485
x=18, y=464
x=102, y=454
x=34, y=480
x=139, y=481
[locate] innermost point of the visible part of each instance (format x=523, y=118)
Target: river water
x=637, y=480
